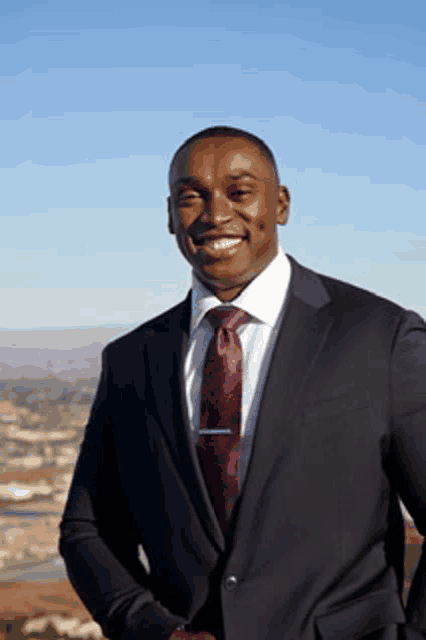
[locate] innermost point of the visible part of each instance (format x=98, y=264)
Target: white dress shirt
x=264, y=300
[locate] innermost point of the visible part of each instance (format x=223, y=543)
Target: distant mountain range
x=67, y=354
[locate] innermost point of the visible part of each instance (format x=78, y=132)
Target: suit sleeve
x=99, y=551
x=408, y=449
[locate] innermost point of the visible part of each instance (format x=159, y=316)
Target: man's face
x=223, y=208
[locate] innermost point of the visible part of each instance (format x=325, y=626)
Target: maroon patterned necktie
x=220, y=415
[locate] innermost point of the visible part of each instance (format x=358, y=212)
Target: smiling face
x=223, y=208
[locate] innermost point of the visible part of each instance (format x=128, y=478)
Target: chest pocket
x=328, y=407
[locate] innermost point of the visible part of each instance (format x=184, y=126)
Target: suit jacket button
x=231, y=583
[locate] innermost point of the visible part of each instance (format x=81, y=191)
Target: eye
x=188, y=197
x=241, y=193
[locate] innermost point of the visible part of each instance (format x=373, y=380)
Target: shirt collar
x=262, y=298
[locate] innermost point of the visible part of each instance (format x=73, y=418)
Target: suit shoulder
x=349, y=296
x=150, y=328
x=346, y=291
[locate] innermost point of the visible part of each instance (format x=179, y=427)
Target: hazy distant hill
x=70, y=364
x=67, y=354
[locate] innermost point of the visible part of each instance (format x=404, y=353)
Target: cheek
x=260, y=220
x=260, y=224
x=182, y=232
x=185, y=218
x=183, y=241
x=252, y=212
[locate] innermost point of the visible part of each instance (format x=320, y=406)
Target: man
x=254, y=439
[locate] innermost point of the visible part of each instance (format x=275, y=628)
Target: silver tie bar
x=215, y=432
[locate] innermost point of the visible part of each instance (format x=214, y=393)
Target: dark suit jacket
x=318, y=540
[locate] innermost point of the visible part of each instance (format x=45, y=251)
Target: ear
x=169, y=217
x=283, y=205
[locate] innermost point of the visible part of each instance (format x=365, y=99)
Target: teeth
x=223, y=243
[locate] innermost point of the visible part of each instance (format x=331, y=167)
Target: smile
x=219, y=247
x=220, y=243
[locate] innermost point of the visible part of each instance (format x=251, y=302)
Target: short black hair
x=232, y=132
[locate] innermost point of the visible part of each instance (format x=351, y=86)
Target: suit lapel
x=166, y=349
x=307, y=322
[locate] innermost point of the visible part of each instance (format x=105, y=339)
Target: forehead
x=218, y=157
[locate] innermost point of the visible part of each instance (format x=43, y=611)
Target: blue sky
x=96, y=96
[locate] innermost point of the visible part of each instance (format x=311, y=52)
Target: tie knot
x=229, y=319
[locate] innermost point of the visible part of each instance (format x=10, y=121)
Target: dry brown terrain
x=41, y=428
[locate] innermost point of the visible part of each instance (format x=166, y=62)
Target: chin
x=223, y=281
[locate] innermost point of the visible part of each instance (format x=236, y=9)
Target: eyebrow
x=186, y=180
x=244, y=174
x=233, y=176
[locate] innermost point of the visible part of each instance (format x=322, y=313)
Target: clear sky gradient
x=96, y=96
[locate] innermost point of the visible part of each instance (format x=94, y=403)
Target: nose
x=217, y=210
